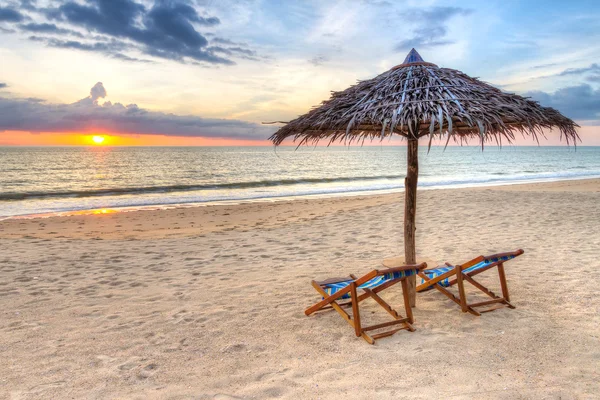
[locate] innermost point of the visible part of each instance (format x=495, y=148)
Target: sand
x=207, y=302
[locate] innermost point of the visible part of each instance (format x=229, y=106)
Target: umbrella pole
x=410, y=210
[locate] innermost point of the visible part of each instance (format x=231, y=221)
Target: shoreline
x=207, y=218
x=276, y=199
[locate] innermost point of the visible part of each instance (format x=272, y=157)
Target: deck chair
x=340, y=289
x=447, y=275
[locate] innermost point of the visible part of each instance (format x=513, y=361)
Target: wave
x=70, y=204
x=500, y=178
x=11, y=196
x=361, y=184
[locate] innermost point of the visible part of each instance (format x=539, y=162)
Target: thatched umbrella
x=418, y=99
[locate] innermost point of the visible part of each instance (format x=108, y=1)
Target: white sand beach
x=208, y=302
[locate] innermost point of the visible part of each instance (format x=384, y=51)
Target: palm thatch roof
x=417, y=99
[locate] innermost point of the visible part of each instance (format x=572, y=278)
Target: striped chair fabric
x=333, y=288
x=434, y=273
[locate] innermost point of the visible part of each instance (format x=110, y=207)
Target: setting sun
x=98, y=139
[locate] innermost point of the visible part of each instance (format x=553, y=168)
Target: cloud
x=225, y=41
x=431, y=26
x=109, y=47
x=166, y=30
x=87, y=115
x=48, y=28
x=592, y=72
x=319, y=60
x=237, y=51
x=580, y=102
x=593, y=78
x=424, y=37
x=3, y=85
x=121, y=56
x=435, y=15
x=577, y=71
x=97, y=92
x=543, y=66
x=28, y=4
x=10, y=15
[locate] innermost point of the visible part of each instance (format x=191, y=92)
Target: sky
x=208, y=72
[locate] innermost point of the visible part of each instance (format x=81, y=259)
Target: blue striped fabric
x=333, y=288
x=434, y=273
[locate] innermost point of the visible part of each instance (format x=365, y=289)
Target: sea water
x=37, y=180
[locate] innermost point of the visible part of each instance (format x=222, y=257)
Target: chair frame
x=461, y=277
x=331, y=301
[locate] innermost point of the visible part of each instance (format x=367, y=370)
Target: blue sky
x=222, y=66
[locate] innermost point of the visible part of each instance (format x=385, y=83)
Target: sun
x=98, y=139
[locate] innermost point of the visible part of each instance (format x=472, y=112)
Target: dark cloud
x=28, y=4
x=165, y=30
x=168, y=29
x=3, y=85
x=10, y=15
x=593, y=78
x=590, y=74
x=87, y=115
x=435, y=15
x=219, y=40
x=48, y=28
x=235, y=51
x=121, y=56
x=430, y=27
x=580, y=102
x=318, y=60
x=578, y=71
x=424, y=37
x=543, y=66
x=108, y=47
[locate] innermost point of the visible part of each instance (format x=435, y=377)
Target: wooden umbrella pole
x=410, y=210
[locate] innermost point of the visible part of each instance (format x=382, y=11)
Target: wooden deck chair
x=447, y=275
x=336, y=289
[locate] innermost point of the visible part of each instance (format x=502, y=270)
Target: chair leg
x=461, y=289
x=399, y=319
x=407, y=307
x=503, y=284
x=355, y=312
x=497, y=299
x=343, y=313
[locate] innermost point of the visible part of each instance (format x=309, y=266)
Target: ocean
x=40, y=180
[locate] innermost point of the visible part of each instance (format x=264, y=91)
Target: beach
x=208, y=302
